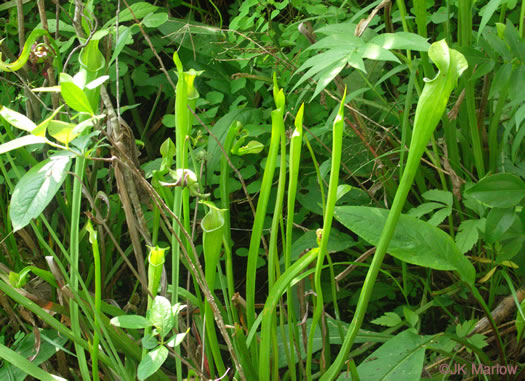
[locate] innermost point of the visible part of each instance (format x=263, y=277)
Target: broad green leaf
x=342, y=189
x=140, y=10
x=151, y=362
x=40, y=130
x=400, y=358
x=154, y=20
x=499, y=220
x=176, y=340
x=389, y=319
x=21, y=142
x=74, y=96
x=401, y=40
x=160, y=315
x=149, y=342
x=168, y=120
x=62, y=131
x=414, y=241
x=337, y=242
x=17, y=120
x=253, y=146
x=502, y=190
x=130, y=322
x=36, y=189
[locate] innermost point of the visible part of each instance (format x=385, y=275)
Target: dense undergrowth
x=262, y=190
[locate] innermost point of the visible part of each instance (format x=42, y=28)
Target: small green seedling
x=161, y=317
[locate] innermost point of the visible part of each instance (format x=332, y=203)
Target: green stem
x=74, y=250
x=260, y=213
x=280, y=286
x=431, y=105
x=337, y=142
x=98, y=286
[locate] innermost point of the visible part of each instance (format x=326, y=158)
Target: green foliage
x=148, y=138
x=414, y=241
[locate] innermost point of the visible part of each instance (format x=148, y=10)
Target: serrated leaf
x=389, y=319
x=130, y=322
x=151, y=362
x=468, y=234
x=439, y=196
x=463, y=329
x=17, y=120
x=36, y=189
x=424, y=208
x=439, y=216
x=21, y=142
x=477, y=340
